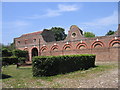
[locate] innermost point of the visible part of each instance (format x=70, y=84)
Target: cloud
x=101, y=25
x=17, y=23
x=56, y=12
x=105, y=21
x=67, y=8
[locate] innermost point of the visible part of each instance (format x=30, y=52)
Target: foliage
x=89, y=34
x=6, y=52
x=9, y=60
x=110, y=32
x=21, y=60
x=59, y=33
x=53, y=65
x=10, y=46
x=20, y=53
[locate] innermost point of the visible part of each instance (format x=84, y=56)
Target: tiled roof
x=34, y=33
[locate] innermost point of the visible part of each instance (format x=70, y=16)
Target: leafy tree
x=20, y=53
x=59, y=33
x=6, y=52
x=89, y=34
x=110, y=32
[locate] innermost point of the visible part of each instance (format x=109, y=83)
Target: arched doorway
x=34, y=52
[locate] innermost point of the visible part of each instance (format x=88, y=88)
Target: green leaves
x=53, y=65
x=59, y=33
x=20, y=53
x=89, y=34
x=110, y=32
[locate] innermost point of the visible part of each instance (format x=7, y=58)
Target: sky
x=25, y=17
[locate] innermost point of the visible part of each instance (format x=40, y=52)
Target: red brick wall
x=102, y=46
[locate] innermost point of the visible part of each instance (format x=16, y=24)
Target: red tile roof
x=34, y=33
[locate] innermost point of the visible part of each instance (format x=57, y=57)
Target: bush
x=21, y=60
x=53, y=65
x=6, y=52
x=20, y=53
x=9, y=60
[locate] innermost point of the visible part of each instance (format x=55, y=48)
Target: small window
x=18, y=42
x=26, y=41
x=73, y=34
x=34, y=40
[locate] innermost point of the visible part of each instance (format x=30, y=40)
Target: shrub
x=20, y=53
x=6, y=52
x=21, y=60
x=9, y=60
x=53, y=65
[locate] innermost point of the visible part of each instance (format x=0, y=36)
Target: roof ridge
x=32, y=33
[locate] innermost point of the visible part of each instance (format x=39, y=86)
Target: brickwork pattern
x=104, y=47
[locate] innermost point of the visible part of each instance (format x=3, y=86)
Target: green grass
x=22, y=77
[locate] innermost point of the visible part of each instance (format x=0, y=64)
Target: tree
x=6, y=52
x=20, y=53
x=59, y=33
x=89, y=34
x=110, y=32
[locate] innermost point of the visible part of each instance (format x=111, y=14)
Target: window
x=26, y=41
x=67, y=48
x=34, y=40
x=73, y=34
x=18, y=42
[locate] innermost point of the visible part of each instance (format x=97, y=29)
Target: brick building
x=43, y=43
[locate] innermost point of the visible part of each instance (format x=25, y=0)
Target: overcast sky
x=25, y=17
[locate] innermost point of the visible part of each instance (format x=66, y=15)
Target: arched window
x=34, y=52
x=81, y=45
x=114, y=43
x=54, y=48
x=97, y=44
x=67, y=47
x=43, y=49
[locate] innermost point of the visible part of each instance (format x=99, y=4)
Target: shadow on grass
x=4, y=76
x=63, y=73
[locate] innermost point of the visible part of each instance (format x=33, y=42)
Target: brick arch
x=25, y=49
x=114, y=41
x=33, y=47
x=97, y=43
x=34, y=51
x=67, y=47
x=43, y=49
x=79, y=45
x=54, y=48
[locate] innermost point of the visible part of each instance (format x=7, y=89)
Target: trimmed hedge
x=53, y=65
x=21, y=60
x=20, y=53
x=9, y=60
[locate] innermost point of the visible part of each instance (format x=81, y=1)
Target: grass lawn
x=22, y=77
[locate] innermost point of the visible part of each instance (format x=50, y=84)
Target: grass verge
x=22, y=77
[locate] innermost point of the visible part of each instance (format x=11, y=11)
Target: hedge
x=20, y=53
x=21, y=60
x=12, y=60
x=53, y=65
x=9, y=60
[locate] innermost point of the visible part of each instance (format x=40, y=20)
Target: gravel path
x=106, y=79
